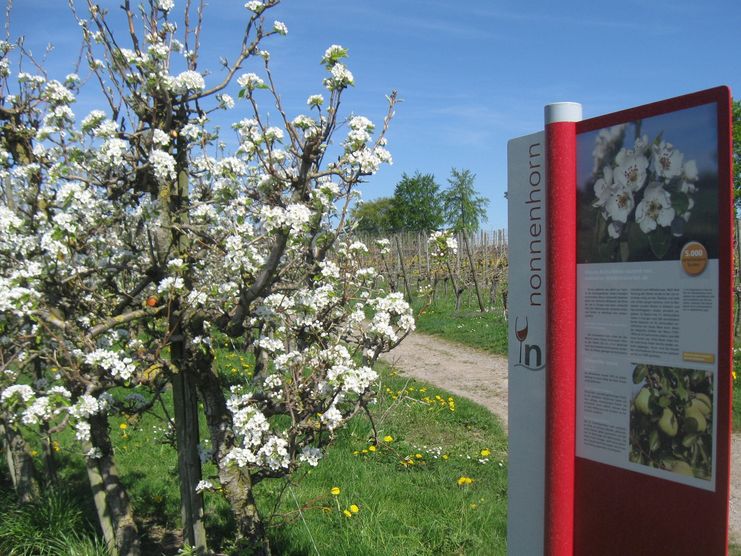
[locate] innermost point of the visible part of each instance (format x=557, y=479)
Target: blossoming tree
x=135, y=241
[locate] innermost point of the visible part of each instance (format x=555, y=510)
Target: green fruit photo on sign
x=671, y=420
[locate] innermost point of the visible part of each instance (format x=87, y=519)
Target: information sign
x=653, y=339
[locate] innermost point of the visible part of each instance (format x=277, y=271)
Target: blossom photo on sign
x=646, y=187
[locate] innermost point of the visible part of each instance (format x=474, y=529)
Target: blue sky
x=472, y=74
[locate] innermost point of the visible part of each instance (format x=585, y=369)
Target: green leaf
x=624, y=251
x=680, y=202
x=689, y=440
x=660, y=240
x=639, y=373
x=654, y=440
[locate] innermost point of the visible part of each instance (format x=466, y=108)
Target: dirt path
x=473, y=374
x=482, y=377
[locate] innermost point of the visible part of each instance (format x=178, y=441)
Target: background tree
x=737, y=153
x=416, y=204
x=373, y=217
x=463, y=207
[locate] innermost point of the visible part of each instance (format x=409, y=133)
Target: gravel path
x=473, y=374
x=482, y=377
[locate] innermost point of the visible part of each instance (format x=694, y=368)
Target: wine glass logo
x=520, y=333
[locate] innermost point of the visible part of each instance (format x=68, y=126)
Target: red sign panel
x=653, y=334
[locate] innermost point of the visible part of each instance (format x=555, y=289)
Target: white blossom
x=204, y=485
x=667, y=161
x=160, y=138
x=255, y=6
x=165, y=5
x=163, y=165
x=341, y=78
x=315, y=100
x=250, y=81
x=310, y=455
x=332, y=418
x=119, y=366
x=187, y=82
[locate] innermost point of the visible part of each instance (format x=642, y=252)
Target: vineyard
x=470, y=268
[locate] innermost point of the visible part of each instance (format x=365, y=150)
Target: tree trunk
x=189, y=461
x=737, y=278
x=185, y=399
x=101, y=507
x=236, y=483
x=473, y=273
x=114, y=505
x=403, y=271
x=185, y=402
x=456, y=290
x=20, y=462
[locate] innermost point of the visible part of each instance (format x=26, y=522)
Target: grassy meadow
x=433, y=481
x=469, y=326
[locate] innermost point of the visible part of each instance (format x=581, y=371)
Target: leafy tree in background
x=416, y=204
x=737, y=153
x=463, y=207
x=374, y=217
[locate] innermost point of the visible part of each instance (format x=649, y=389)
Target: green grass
x=406, y=491
x=55, y=525
x=486, y=331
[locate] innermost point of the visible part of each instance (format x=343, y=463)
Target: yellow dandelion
x=418, y=456
x=34, y=453
x=354, y=508
x=474, y=505
x=347, y=513
x=335, y=491
x=734, y=375
x=123, y=426
x=445, y=456
x=355, y=452
x=463, y=480
x=423, y=389
x=364, y=451
x=388, y=438
x=55, y=446
x=371, y=448
x=485, y=453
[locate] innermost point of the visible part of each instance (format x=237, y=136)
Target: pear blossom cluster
x=650, y=184
x=442, y=243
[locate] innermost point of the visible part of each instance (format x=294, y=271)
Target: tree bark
x=114, y=505
x=101, y=507
x=473, y=273
x=236, y=483
x=185, y=401
x=403, y=271
x=20, y=462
